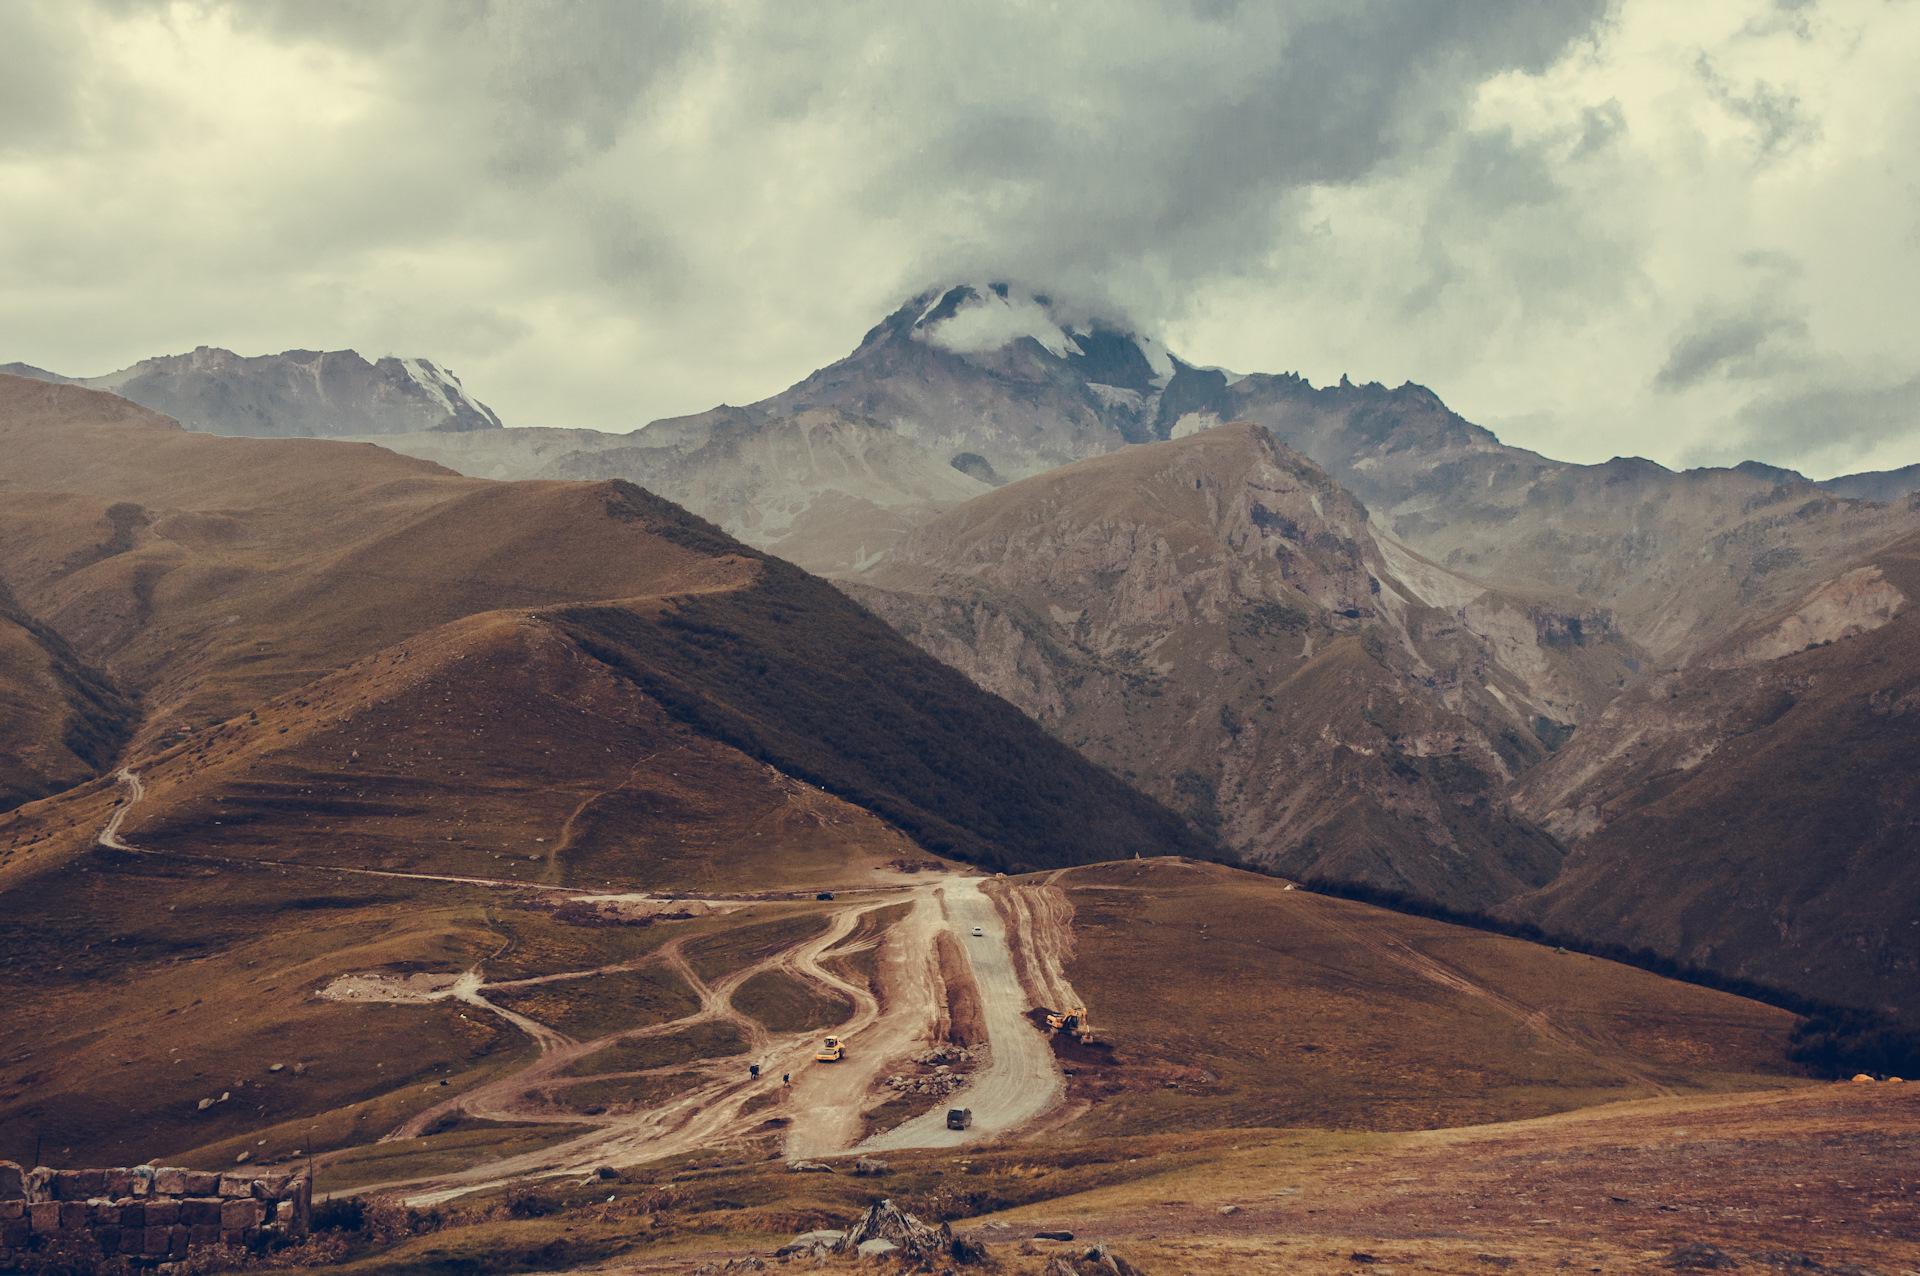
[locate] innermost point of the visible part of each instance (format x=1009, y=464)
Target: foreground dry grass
x=1819, y=1178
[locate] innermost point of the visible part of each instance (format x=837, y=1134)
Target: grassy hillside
x=218, y=575
x=1227, y=1000
x=790, y=671
x=60, y=719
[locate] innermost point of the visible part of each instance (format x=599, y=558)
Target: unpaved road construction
x=815, y=1106
x=1022, y=1080
x=820, y=1107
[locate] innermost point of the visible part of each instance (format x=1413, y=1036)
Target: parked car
x=978, y=932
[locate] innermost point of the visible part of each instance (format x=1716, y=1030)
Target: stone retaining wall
x=147, y=1216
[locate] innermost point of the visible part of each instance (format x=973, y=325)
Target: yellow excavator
x=1071, y=1021
x=832, y=1050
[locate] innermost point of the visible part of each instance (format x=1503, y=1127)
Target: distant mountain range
x=295, y=394
x=1340, y=629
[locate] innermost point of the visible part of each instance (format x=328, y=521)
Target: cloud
x=1747, y=347
x=1845, y=426
x=1549, y=210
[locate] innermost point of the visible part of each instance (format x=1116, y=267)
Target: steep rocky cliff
x=1215, y=619
x=1755, y=813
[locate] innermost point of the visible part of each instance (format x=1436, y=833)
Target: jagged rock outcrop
x=1678, y=558
x=902, y=1235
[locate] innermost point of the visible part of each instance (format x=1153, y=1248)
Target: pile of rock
x=147, y=1216
x=815, y=1245
x=947, y=1054
x=888, y=1232
x=941, y=1083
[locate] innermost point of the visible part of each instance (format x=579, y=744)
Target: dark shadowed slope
x=212, y=575
x=1755, y=813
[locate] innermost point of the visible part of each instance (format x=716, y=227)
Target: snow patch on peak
x=428, y=378
x=1157, y=358
x=444, y=388
x=991, y=317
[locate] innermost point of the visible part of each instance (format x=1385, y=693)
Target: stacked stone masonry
x=146, y=1216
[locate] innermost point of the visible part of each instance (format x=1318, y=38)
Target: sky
x=1689, y=232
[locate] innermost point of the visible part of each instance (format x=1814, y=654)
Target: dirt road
x=1022, y=1080
x=821, y=1108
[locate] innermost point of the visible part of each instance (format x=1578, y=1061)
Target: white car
x=978, y=932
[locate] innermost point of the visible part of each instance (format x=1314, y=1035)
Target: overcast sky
x=1684, y=231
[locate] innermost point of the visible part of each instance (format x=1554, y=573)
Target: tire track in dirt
x=1535, y=1019
x=1039, y=922
x=702, y=1116
x=1022, y=1081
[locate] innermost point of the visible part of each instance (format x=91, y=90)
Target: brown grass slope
x=60, y=720
x=495, y=747
x=351, y=660
x=211, y=574
x=1754, y=813
x=1215, y=620
x=1227, y=1000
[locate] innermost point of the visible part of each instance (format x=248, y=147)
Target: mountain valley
x=455, y=813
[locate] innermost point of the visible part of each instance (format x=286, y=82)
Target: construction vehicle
x=832, y=1050
x=1071, y=1021
x=959, y=1118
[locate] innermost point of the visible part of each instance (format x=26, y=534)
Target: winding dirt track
x=822, y=1106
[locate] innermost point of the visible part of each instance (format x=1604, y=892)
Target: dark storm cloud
x=1741, y=346
x=1165, y=133
x=556, y=80
x=39, y=65
x=1840, y=419
x=1185, y=163
x=611, y=210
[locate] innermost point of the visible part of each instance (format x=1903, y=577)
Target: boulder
x=877, y=1248
x=811, y=1244
x=13, y=1182
x=887, y=1222
x=870, y=1165
x=967, y=1251
x=1101, y=1256
x=808, y=1167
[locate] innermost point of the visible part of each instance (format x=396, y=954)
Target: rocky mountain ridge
x=294, y=394
x=1217, y=620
